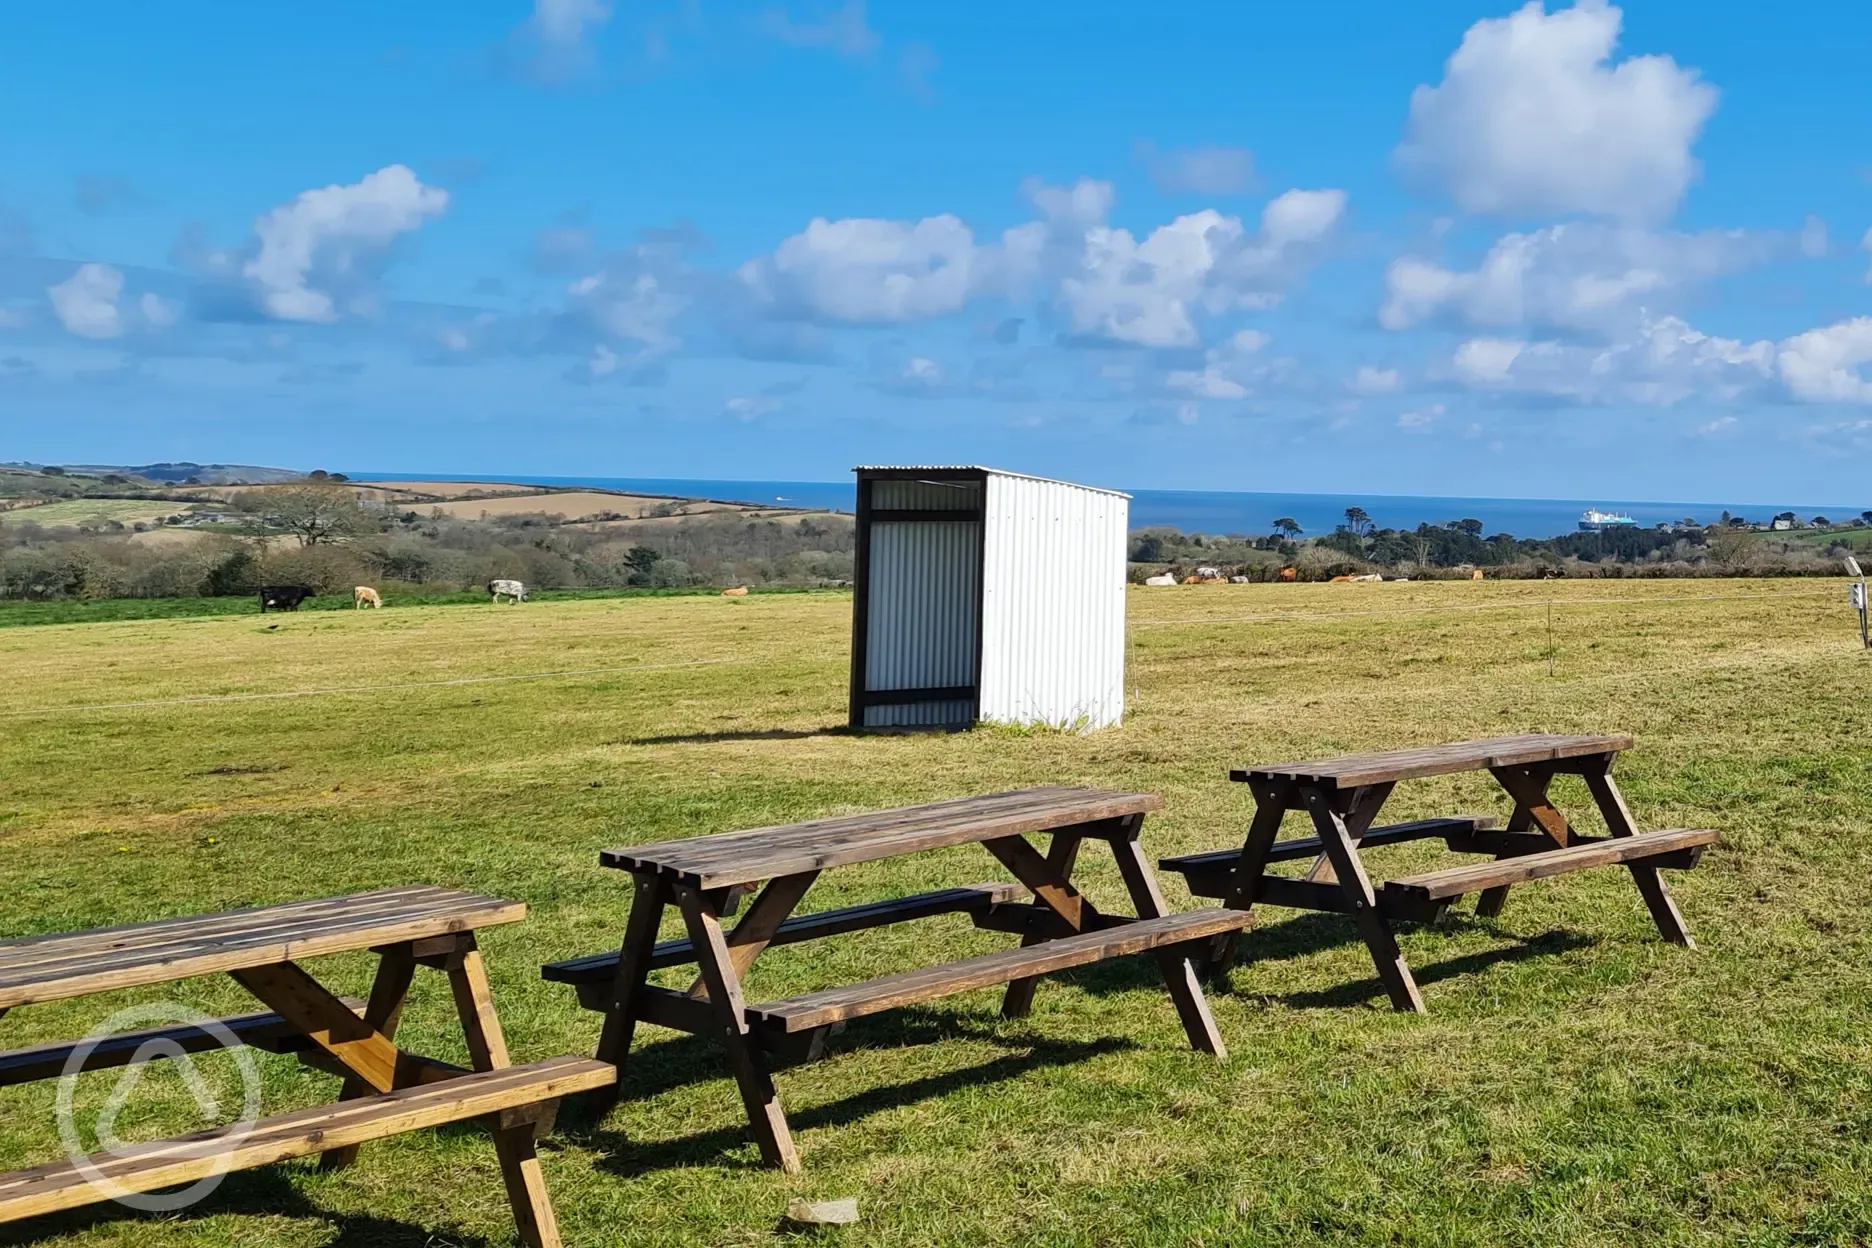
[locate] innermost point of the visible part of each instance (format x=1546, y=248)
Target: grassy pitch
x=1576, y=1082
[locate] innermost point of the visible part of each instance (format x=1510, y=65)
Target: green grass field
x=1576, y=1082
x=77, y=512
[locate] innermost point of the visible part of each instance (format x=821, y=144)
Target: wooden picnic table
x=1058, y=925
x=1344, y=795
x=387, y=1089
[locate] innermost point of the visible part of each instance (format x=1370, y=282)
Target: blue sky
x=1444, y=248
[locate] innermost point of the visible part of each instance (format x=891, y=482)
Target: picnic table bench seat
x=887, y=992
x=187, y=1158
x=1678, y=848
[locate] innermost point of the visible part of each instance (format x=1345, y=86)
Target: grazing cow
x=507, y=589
x=1162, y=578
x=361, y=594
x=739, y=591
x=283, y=597
x=1289, y=575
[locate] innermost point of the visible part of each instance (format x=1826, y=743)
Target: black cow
x=283, y=597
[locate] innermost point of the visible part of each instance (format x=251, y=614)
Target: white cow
x=509, y=589
x=1161, y=579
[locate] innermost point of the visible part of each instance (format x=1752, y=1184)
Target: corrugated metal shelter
x=987, y=595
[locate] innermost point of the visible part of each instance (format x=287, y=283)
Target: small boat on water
x=1594, y=521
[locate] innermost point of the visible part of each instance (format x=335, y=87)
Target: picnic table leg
x=1179, y=973
x=1361, y=813
x=1341, y=847
x=1062, y=855
x=1528, y=787
x=744, y=1059
x=1650, y=881
x=620, y=1022
x=1271, y=800
x=1047, y=876
x=755, y=931
x=396, y=967
x=514, y=1145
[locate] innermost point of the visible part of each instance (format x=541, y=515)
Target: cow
x=361, y=594
x=283, y=597
x=1163, y=578
x=507, y=589
x=739, y=591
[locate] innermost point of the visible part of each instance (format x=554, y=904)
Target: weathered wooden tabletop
x=75, y=964
x=727, y=859
x=1389, y=766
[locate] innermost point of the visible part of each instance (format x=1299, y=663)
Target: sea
x=1222, y=511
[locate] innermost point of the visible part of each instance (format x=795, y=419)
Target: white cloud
x=1663, y=363
x=557, y=37
x=1369, y=380
x=86, y=302
x=158, y=311
x=1201, y=170
x=1228, y=371
x=1109, y=284
x=1866, y=243
x=865, y=270
x=1580, y=275
x=751, y=406
x=1146, y=292
x=1813, y=238
x=1828, y=365
x=330, y=236
x=1421, y=419
x=1533, y=117
x=844, y=30
x=1718, y=427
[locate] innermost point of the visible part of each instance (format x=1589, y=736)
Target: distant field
x=79, y=512
x=1576, y=1083
x=86, y=610
x=573, y=505
x=446, y=489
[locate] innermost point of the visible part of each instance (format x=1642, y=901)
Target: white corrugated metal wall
x=1053, y=617
x=925, y=582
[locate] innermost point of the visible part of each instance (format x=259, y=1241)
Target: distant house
x=1781, y=524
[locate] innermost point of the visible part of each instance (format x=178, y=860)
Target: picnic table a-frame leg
x=1062, y=856
x=1650, y=881
x=1179, y=971
x=1533, y=809
x=762, y=1101
x=1329, y=819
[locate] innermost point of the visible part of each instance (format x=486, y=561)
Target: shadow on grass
x=701, y=1060
x=743, y=734
x=1361, y=991
x=266, y=1192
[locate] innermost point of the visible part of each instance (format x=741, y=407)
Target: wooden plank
x=834, y=1005
x=1619, y=822
x=758, y=1096
x=396, y=968
x=1360, y=808
x=74, y=972
x=744, y=857
x=1353, y=770
x=1180, y=977
x=618, y=989
x=1311, y=846
x=265, y=1030
x=185, y=1159
x=323, y=1019
x=975, y=898
x=757, y=927
x=1044, y=914
x=1474, y=877
x=1353, y=882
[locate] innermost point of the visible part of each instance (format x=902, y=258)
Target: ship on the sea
x=1594, y=520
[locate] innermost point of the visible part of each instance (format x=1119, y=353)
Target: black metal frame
x=860, y=697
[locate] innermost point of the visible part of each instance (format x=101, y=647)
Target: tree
x=641, y=563
x=1821, y=522
x=1288, y=528
x=1472, y=528
x=1866, y=516
x=316, y=512
x=1358, y=520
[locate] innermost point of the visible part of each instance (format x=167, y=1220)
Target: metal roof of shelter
x=905, y=470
